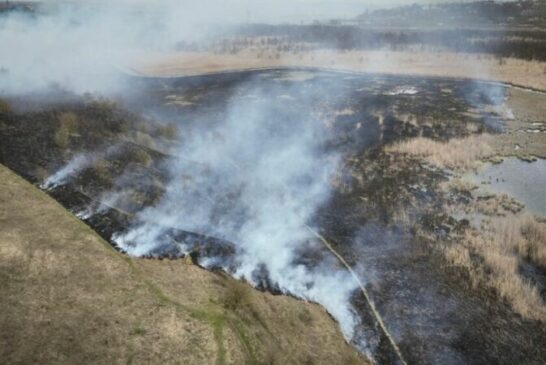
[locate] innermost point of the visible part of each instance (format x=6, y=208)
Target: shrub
x=237, y=295
x=68, y=124
x=101, y=172
x=306, y=317
x=144, y=140
x=105, y=106
x=167, y=131
x=62, y=138
x=4, y=107
x=142, y=157
x=69, y=121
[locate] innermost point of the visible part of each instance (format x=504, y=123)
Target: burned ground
x=385, y=216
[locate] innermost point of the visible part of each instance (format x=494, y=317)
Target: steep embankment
x=68, y=297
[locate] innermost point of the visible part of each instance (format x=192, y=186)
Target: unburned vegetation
x=5, y=107
x=70, y=283
x=495, y=255
x=68, y=125
x=461, y=154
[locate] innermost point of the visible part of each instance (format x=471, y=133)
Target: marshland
x=272, y=193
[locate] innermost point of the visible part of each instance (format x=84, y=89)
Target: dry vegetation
x=167, y=131
x=446, y=64
x=67, y=297
x=142, y=157
x=461, y=154
x=68, y=125
x=503, y=238
x=493, y=255
x=5, y=107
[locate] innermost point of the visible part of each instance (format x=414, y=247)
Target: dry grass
x=460, y=154
x=142, y=157
x=493, y=256
x=445, y=64
x=67, y=297
x=167, y=131
x=100, y=172
x=533, y=244
x=458, y=185
x=237, y=296
x=499, y=205
x=144, y=140
x=68, y=125
x=5, y=107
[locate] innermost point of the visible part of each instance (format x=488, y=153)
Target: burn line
x=367, y=297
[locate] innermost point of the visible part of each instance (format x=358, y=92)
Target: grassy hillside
x=68, y=297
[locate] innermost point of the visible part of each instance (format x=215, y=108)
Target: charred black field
x=180, y=167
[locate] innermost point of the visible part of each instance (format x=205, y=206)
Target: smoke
x=62, y=176
x=256, y=179
x=84, y=47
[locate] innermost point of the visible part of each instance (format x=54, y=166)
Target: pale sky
x=271, y=11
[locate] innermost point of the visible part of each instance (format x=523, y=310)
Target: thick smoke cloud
x=83, y=47
x=256, y=180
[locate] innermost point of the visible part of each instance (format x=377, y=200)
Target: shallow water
x=524, y=181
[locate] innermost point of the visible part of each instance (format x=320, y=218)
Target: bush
x=167, y=131
x=68, y=124
x=101, y=172
x=4, y=107
x=105, y=106
x=142, y=157
x=144, y=140
x=62, y=138
x=69, y=121
x=237, y=296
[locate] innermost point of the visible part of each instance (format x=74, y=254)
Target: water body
x=524, y=181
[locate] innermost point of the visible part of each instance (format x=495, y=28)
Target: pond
x=524, y=181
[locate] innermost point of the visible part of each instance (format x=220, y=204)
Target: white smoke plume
x=256, y=180
x=62, y=176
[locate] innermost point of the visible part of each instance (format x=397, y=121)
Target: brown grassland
x=69, y=298
x=506, y=236
x=445, y=64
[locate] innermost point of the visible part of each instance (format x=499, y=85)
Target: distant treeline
x=525, y=44
x=21, y=6
x=476, y=13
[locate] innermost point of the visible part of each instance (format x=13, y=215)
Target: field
x=530, y=74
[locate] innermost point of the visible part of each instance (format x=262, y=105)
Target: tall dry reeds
x=494, y=255
x=462, y=154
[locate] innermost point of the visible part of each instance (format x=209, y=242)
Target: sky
x=277, y=11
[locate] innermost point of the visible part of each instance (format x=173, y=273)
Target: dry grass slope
x=66, y=297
